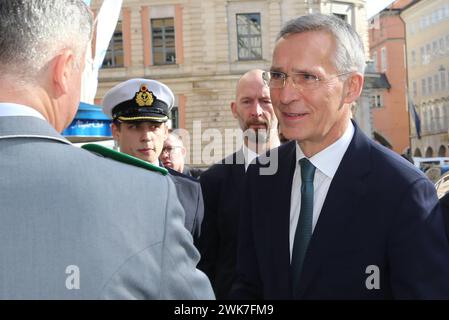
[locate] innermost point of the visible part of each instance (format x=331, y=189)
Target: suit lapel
x=345, y=193
x=234, y=185
x=278, y=217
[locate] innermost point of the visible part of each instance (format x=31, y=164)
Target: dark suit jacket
x=192, y=172
x=191, y=198
x=222, y=187
x=379, y=210
x=445, y=206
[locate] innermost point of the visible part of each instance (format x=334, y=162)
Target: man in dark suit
x=445, y=206
x=139, y=109
x=342, y=217
x=222, y=183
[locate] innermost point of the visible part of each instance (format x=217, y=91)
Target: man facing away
x=221, y=184
x=74, y=225
x=342, y=217
x=139, y=109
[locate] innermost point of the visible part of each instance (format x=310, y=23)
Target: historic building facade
x=200, y=49
x=387, y=47
x=427, y=36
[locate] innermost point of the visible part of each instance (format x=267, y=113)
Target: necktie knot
x=307, y=170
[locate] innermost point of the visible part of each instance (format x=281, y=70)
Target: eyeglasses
x=170, y=150
x=277, y=80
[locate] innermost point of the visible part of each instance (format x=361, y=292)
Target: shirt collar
x=13, y=109
x=328, y=160
x=249, y=155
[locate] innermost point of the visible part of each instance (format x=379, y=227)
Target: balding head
x=254, y=76
x=252, y=107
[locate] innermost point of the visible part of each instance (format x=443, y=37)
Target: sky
x=374, y=6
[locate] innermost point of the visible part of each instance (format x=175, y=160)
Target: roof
x=376, y=81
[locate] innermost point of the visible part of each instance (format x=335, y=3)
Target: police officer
x=139, y=109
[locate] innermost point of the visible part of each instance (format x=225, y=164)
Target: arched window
x=417, y=153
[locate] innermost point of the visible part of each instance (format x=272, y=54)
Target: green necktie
x=304, y=227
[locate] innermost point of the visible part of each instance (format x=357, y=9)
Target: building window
x=342, y=10
x=435, y=48
x=163, y=41
x=441, y=52
x=429, y=85
x=376, y=101
x=440, y=14
x=383, y=57
x=174, y=116
x=114, y=54
x=415, y=89
x=434, y=17
x=436, y=81
x=249, y=36
x=375, y=60
x=413, y=57
x=423, y=87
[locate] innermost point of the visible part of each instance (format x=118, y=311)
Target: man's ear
x=234, y=109
x=183, y=151
x=115, y=132
x=63, y=66
x=354, y=87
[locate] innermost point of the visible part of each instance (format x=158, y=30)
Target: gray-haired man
x=74, y=225
x=343, y=217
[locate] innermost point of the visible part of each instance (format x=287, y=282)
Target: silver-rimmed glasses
x=170, y=150
x=308, y=81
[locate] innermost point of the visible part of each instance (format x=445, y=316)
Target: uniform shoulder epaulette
x=123, y=157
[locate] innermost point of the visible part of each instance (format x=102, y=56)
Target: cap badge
x=144, y=97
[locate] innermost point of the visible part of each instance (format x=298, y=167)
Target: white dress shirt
x=326, y=163
x=13, y=109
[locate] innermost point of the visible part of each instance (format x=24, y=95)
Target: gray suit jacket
x=77, y=226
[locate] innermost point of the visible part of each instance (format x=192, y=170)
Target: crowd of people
x=308, y=208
